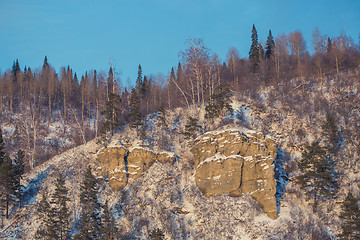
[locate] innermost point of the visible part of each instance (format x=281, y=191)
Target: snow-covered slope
x=166, y=196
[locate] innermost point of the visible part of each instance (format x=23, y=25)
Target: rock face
x=117, y=164
x=234, y=162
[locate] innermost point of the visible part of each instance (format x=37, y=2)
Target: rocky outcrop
x=237, y=162
x=112, y=166
x=117, y=164
x=140, y=159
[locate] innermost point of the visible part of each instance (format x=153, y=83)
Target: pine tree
x=139, y=82
x=61, y=211
x=350, y=216
x=219, y=104
x=254, y=57
x=331, y=133
x=45, y=62
x=270, y=45
x=157, y=234
x=162, y=118
x=329, y=46
x=111, y=81
x=19, y=167
x=191, y=128
x=16, y=68
x=112, y=113
x=319, y=177
x=89, y=226
x=108, y=230
x=261, y=52
x=7, y=181
x=46, y=215
x=2, y=148
x=134, y=111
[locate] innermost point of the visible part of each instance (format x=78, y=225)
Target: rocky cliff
x=232, y=161
x=237, y=162
x=118, y=164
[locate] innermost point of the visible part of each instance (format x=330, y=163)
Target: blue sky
x=92, y=34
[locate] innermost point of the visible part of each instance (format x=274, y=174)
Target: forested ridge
x=44, y=112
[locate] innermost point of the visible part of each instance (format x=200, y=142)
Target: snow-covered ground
x=166, y=196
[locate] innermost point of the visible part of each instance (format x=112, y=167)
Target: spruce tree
x=108, y=226
x=319, y=177
x=219, y=103
x=254, y=57
x=2, y=148
x=19, y=167
x=157, y=234
x=89, y=225
x=191, y=128
x=162, y=118
x=46, y=64
x=61, y=211
x=139, y=81
x=270, y=45
x=16, y=68
x=134, y=111
x=331, y=133
x=8, y=182
x=350, y=217
x=46, y=214
x=112, y=113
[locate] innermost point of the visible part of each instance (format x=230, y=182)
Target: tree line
x=97, y=103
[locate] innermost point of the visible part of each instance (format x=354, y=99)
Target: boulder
x=237, y=162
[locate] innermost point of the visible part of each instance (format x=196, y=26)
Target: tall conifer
x=108, y=226
x=254, y=57
x=89, y=226
x=319, y=177
x=270, y=45
x=350, y=216
x=134, y=111
x=61, y=211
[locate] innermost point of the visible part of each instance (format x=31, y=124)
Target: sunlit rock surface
x=237, y=162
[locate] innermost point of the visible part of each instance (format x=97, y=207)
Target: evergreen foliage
x=134, y=112
x=89, y=225
x=55, y=214
x=350, y=216
x=7, y=173
x=270, y=45
x=16, y=67
x=191, y=128
x=254, y=57
x=112, y=113
x=46, y=215
x=139, y=80
x=162, y=118
x=157, y=234
x=219, y=104
x=319, y=177
x=331, y=133
x=19, y=167
x=2, y=148
x=8, y=182
x=61, y=212
x=46, y=64
x=109, y=229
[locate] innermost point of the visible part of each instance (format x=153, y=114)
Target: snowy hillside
x=166, y=196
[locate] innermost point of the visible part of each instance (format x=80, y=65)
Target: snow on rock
x=118, y=164
x=237, y=161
